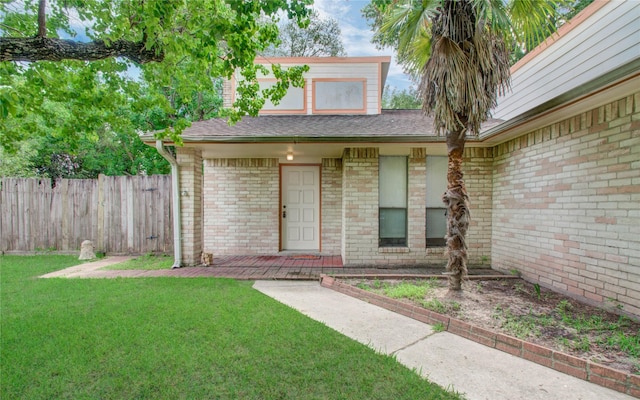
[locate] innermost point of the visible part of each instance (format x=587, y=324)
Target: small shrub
x=536, y=288
x=583, y=344
x=564, y=307
x=407, y=291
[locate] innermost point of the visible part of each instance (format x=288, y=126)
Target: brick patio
x=286, y=267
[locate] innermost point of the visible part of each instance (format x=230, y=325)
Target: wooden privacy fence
x=120, y=214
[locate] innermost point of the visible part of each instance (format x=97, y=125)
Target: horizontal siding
x=368, y=71
x=606, y=40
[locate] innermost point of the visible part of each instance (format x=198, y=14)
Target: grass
x=146, y=262
x=413, y=290
x=176, y=338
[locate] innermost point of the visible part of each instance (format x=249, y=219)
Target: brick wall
x=566, y=206
x=190, y=170
x=331, y=208
x=478, y=177
x=360, y=210
x=241, y=206
x=416, y=199
x=359, y=205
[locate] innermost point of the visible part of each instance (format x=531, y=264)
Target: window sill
x=436, y=250
x=388, y=250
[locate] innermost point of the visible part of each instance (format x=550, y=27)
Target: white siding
x=365, y=70
x=603, y=42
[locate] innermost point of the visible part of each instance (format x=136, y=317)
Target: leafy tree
x=321, y=38
x=175, y=46
x=459, y=50
x=406, y=99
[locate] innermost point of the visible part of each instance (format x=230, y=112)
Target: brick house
x=553, y=179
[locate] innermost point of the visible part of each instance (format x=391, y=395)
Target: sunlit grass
x=166, y=338
x=146, y=262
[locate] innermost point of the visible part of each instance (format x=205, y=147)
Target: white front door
x=300, y=213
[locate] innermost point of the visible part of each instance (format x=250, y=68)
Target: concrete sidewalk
x=86, y=269
x=450, y=361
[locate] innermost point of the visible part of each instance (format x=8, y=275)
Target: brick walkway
x=297, y=267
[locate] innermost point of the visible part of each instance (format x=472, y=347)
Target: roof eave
x=591, y=94
x=302, y=139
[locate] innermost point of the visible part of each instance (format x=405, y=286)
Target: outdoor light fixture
x=289, y=156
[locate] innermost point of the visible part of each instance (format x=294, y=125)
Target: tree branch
x=42, y=26
x=48, y=49
x=7, y=27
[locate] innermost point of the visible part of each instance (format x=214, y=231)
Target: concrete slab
x=484, y=373
x=451, y=361
x=382, y=330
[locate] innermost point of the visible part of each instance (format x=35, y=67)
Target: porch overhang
x=394, y=132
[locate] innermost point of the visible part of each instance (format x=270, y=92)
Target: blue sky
x=356, y=35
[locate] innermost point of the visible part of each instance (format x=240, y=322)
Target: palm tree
x=459, y=49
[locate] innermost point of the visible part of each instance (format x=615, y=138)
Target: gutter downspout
x=175, y=186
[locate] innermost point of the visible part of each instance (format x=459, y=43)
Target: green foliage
x=407, y=290
x=440, y=306
x=521, y=326
x=536, y=288
x=439, y=327
x=628, y=343
x=165, y=338
x=146, y=262
x=77, y=105
x=406, y=99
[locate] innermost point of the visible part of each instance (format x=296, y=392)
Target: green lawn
x=167, y=338
x=146, y=262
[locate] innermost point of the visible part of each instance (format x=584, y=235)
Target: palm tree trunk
x=457, y=203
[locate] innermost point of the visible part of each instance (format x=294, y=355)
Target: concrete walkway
x=451, y=361
x=86, y=269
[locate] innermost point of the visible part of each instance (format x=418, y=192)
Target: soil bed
x=528, y=312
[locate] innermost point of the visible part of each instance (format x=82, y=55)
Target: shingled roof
x=397, y=124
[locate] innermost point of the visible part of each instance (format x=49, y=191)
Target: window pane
x=293, y=100
x=393, y=182
x=436, y=227
x=339, y=95
x=436, y=180
x=393, y=223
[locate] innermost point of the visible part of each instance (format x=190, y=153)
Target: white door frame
x=317, y=245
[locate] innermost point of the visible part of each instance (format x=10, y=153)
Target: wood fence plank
x=119, y=214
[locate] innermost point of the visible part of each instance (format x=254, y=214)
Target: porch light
x=290, y=156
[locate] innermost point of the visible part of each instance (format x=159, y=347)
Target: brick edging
x=580, y=368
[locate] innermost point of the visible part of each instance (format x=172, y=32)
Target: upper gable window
x=292, y=103
x=339, y=96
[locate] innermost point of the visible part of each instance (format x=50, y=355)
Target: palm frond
x=409, y=21
x=468, y=68
x=494, y=14
x=533, y=20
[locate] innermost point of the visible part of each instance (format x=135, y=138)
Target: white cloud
x=356, y=35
